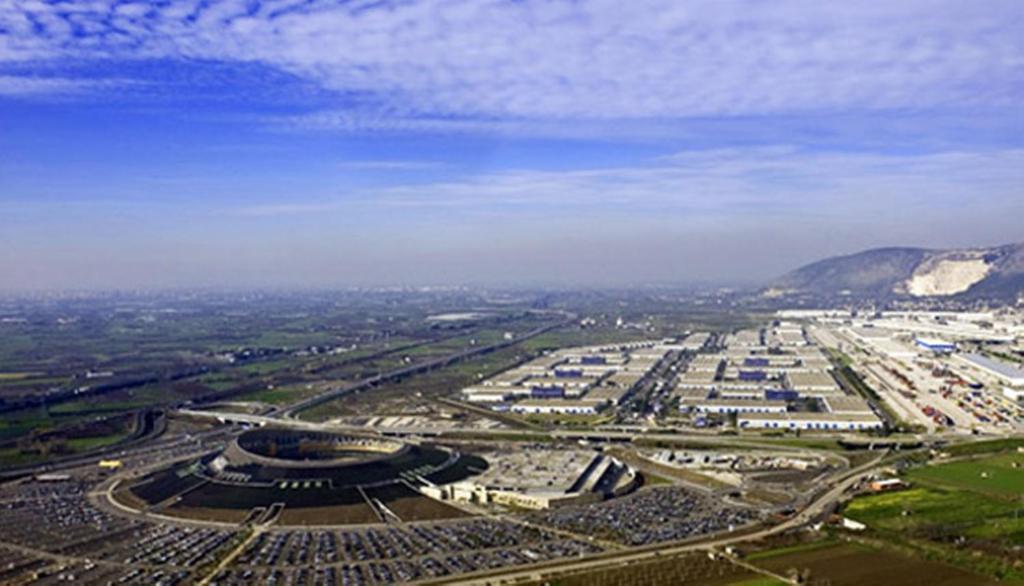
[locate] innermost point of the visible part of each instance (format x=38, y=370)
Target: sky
x=242, y=143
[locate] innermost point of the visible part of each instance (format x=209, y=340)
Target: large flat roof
x=810, y=416
x=813, y=378
x=1002, y=369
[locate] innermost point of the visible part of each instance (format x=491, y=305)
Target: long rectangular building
x=810, y=421
x=1008, y=373
x=738, y=406
x=559, y=406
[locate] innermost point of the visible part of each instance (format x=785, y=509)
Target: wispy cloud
x=770, y=183
x=391, y=165
x=288, y=209
x=26, y=86
x=477, y=65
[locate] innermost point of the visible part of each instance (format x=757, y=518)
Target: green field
x=13, y=425
x=15, y=456
x=985, y=447
x=922, y=509
x=969, y=513
x=1001, y=475
x=9, y=376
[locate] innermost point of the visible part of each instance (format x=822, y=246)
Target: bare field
x=691, y=569
x=357, y=514
x=848, y=564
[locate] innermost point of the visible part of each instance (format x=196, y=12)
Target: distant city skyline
x=318, y=144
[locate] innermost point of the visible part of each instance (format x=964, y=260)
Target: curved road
x=817, y=507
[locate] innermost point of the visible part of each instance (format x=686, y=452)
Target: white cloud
x=772, y=183
x=23, y=86
x=496, y=61
x=397, y=166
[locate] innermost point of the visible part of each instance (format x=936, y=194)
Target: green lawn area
x=985, y=447
x=921, y=507
x=1001, y=476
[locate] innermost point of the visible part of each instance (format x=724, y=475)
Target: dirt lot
x=849, y=564
x=421, y=508
x=221, y=515
x=339, y=515
x=691, y=569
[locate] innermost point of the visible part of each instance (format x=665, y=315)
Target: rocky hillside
x=993, y=272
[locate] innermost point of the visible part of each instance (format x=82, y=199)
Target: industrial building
x=1015, y=395
x=557, y=406
x=541, y=480
x=935, y=345
x=810, y=421
x=695, y=341
x=738, y=406
x=846, y=404
x=572, y=381
x=812, y=383
x=1008, y=373
x=774, y=385
x=745, y=338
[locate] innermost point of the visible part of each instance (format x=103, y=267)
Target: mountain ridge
x=995, y=272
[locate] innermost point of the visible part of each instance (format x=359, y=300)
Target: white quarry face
x=947, y=277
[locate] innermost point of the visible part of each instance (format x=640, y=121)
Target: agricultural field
x=690, y=569
x=75, y=439
x=72, y=360
x=836, y=563
x=415, y=393
x=985, y=447
x=1001, y=475
x=969, y=513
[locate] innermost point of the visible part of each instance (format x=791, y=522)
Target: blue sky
x=312, y=143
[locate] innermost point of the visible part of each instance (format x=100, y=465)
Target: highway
x=595, y=435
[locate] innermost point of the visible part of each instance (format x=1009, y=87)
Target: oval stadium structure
x=304, y=478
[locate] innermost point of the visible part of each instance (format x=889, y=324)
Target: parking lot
x=652, y=515
x=385, y=555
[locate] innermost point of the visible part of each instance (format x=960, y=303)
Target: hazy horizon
x=314, y=145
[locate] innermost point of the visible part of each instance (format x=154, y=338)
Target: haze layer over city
x=532, y=292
